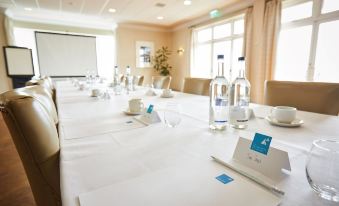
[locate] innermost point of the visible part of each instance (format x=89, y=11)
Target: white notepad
x=189, y=185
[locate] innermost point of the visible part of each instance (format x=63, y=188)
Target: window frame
x=314, y=20
x=232, y=37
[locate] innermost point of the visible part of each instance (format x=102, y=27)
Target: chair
x=138, y=80
x=307, y=96
x=36, y=139
x=45, y=82
x=42, y=95
x=198, y=86
x=161, y=82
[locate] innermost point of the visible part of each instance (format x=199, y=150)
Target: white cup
x=167, y=92
x=95, y=92
x=135, y=105
x=284, y=114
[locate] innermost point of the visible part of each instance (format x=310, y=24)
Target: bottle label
x=239, y=114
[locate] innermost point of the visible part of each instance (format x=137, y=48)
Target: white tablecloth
x=94, y=155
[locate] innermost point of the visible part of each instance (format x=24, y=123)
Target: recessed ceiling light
x=187, y=2
x=160, y=17
x=28, y=9
x=112, y=10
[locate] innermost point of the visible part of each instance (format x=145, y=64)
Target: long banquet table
x=98, y=149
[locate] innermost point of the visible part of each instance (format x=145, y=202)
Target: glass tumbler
x=172, y=114
x=322, y=169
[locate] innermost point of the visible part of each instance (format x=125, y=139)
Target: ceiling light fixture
x=112, y=10
x=160, y=17
x=187, y=2
x=28, y=9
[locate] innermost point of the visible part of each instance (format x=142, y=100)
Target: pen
x=258, y=181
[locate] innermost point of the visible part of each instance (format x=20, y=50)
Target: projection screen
x=65, y=55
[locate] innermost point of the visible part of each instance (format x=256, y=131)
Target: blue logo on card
x=224, y=178
x=150, y=109
x=261, y=143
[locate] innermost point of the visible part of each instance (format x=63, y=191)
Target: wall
x=180, y=63
x=5, y=82
x=126, y=38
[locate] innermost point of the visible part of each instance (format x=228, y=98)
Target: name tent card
x=261, y=143
x=259, y=156
x=149, y=117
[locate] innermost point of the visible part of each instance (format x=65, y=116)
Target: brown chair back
x=161, y=82
x=316, y=97
x=36, y=139
x=138, y=80
x=198, y=86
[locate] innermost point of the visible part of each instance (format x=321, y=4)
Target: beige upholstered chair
x=35, y=136
x=45, y=82
x=42, y=95
x=122, y=77
x=161, y=82
x=307, y=96
x=138, y=80
x=197, y=86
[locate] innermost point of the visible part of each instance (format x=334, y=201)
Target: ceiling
x=141, y=11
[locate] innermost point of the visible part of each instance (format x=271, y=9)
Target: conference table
x=101, y=146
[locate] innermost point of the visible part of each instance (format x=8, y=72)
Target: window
x=105, y=50
x=308, y=41
x=221, y=38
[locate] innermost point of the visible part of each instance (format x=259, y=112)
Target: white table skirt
x=99, y=157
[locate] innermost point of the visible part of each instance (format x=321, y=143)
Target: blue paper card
x=261, y=143
x=150, y=109
x=224, y=178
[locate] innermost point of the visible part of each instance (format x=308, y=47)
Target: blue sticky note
x=150, y=109
x=224, y=178
x=261, y=143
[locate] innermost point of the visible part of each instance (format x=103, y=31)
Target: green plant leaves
x=160, y=59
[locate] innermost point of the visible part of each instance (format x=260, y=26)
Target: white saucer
x=294, y=123
x=128, y=112
x=167, y=96
x=94, y=95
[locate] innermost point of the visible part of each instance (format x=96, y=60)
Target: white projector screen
x=64, y=55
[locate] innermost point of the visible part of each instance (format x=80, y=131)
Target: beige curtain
x=248, y=40
x=271, y=28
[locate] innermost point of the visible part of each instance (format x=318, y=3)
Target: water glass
x=172, y=114
x=322, y=169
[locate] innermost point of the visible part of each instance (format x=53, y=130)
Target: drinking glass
x=172, y=114
x=322, y=169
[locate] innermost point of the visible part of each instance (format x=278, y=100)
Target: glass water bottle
x=218, y=114
x=239, y=113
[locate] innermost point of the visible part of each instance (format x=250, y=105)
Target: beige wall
x=180, y=63
x=5, y=83
x=126, y=49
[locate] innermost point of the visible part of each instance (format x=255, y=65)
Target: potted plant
x=160, y=61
